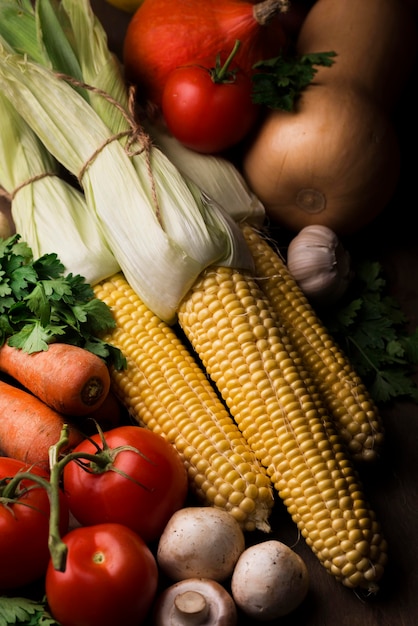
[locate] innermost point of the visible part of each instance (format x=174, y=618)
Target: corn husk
x=215, y=175
x=161, y=249
x=31, y=177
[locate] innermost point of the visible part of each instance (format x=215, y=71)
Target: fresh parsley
x=277, y=82
x=372, y=328
x=40, y=304
x=24, y=612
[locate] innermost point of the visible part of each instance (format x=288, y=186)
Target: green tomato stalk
x=222, y=73
x=101, y=461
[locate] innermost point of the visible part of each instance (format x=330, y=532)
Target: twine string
x=5, y=194
x=10, y=196
x=138, y=140
x=135, y=134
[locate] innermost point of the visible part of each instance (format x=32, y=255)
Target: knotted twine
x=135, y=133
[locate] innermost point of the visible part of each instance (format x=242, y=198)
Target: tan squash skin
x=376, y=44
x=335, y=159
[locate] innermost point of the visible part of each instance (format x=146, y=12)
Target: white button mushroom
x=195, y=602
x=269, y=580
x=202, y=542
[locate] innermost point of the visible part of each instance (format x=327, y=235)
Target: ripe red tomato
x=24, y=526
x=206, y=115
x=110, y=578
x=141, y=491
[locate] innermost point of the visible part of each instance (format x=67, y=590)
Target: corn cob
x=235, y=331
x=346, y=397
x=166, y=390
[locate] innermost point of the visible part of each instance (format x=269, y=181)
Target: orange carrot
x=29, y=427
x=109, y=415
x=71, y=380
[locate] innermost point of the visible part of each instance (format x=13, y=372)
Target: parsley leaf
x=277, y=82
x=39, y=304
x=25, y=612
x=372, y=329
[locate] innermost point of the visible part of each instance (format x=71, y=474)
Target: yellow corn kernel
x=166, y=390
x=235, y=331
x=346, y=397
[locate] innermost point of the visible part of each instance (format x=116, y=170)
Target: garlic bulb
x=319, y=264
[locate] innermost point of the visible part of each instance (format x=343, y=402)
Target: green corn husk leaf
x=159, y=268
x=74, y=21
x=99, y=67
x=75, y=43
x=219, y=180
x=41, y=31
x=49, y=213
x=18, y=28
x=102, y=70
x=215, y=175
x=55, y=37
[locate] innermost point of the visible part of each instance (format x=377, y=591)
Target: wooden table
x=391, y=484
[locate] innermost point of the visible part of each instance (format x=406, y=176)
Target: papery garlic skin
x=319, y=263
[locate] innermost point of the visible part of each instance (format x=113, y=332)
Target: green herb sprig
x=372, y=328
x=16, y=610
x=40, y=304
x=278, y=82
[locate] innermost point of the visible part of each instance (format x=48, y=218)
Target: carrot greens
x=142, y=206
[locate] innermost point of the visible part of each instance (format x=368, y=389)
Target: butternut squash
x=335, y=159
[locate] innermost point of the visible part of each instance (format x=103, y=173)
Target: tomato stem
x=221, y=73
x=101, y=461
x=57, y=547
x=8, y=491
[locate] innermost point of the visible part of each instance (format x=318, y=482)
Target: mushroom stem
x=195, y=602
x=192, y=607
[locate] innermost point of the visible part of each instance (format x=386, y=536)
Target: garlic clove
x=319, y=263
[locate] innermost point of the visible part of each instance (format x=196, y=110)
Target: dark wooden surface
x=392, y=483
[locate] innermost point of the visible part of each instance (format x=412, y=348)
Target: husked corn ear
x=235, y=331
x=347, y=398
x=165, y=389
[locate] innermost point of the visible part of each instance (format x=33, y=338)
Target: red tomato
x=205, y=115
x=24, y=526
x=141, y=491
x=110, y=578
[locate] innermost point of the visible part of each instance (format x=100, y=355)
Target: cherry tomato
x=110, y=578
x=24, y=526
x=140, y=489
x=206, y=115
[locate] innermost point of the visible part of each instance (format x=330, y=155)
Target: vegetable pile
x=211, y=101
x=190, y=32
x=334, y=160
x=232, y=391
